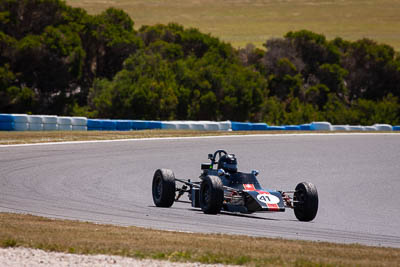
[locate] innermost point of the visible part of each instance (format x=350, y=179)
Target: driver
x=228, y=163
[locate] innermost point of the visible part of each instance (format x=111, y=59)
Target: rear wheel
x=306, y=201
x=163, y=188
x=211, y=195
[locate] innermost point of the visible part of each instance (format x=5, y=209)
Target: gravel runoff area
x=35, y=257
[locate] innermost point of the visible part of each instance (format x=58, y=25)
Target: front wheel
x=305, y=201
x=163, y=188
x=211, y=195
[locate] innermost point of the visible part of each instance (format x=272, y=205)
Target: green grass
x=12, y=138
x=18, y=230
x=254, y=21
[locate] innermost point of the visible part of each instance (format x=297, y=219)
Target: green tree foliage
x=313, y=49
x=300, y=62
x=334, y=77
x=19, y=18
x=109, y=39
x=66, y=49
x=214, y=89
x=12, y=98
x=191, y=41
x=144, y=89
x=251, y=56
x=183, y=85
x=363, y=111
x=373, y=70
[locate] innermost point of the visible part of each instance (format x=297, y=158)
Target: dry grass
x=9, y=138
x=89, y=238
x=254, y=21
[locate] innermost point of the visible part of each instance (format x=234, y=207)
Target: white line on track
x=197, y=137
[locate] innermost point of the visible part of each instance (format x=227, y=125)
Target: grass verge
x=88, y=238
x=11, y=138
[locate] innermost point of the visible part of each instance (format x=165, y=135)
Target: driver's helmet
x=228, y=163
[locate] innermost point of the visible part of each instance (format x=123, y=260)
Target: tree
x=144, y=89
x=313, y=49
x=252, y=56
x=333, y=76
x=284, y=80
x=374, y=70
x=19, y=18
x=56, y=60
x=191, y=41
x=12, y=98
x=108, y=39
x=65, y=47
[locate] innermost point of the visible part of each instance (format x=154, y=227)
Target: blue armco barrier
x=24, y=122
x=259, y=126
x=276, y=128
x=108, y=125
x=7, y=126
x=101, y=125
x=154, y=125
x=305, y=127
x=124, y=125
x=6, y=118
x=140, y=125
x=94, y=125
x=146, y=125
x=292, y=128
x=241, y=126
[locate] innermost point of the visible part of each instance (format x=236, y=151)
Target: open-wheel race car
x=224, y=188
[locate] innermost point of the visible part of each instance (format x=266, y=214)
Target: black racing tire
x=306, y=202
x=164, y=188
x=211, y=195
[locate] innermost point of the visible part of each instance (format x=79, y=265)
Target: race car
x=223, y=188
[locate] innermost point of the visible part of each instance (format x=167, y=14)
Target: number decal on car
x=268, y=198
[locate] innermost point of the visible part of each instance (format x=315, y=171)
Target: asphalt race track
x=357, y=177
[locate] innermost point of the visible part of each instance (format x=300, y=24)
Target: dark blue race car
x=225, y=188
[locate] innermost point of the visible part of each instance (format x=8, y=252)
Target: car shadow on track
x=226, y=213
x=184, y=201
x=240, y=215
x=248, y=216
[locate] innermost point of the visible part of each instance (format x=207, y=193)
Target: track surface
x=357, y=177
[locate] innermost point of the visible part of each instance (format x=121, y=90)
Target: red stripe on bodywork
x=273, y=207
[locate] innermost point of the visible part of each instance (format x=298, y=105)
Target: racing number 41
x=264, y=198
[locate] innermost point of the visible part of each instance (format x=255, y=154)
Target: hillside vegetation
x=253, y=21
x=55, y=59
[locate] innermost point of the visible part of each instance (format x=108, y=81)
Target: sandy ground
x=35, y=257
